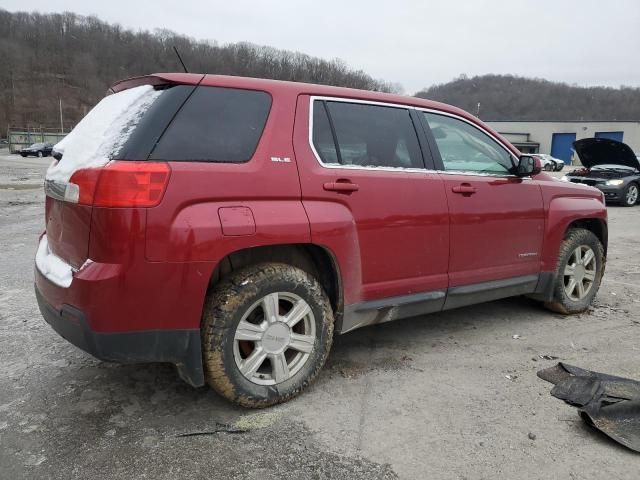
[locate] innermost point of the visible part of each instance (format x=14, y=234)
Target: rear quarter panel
x=261, y=197
x=186, y=225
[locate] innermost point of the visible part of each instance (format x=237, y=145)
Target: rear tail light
x=119, y=184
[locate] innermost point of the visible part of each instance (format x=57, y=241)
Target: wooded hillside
x=65, y=56
x=507, y=97
x=45, y=58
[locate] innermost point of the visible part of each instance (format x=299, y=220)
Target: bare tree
x=75, y=58
x=507, y=97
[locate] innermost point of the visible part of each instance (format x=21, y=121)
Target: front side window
x=465, y=148
x=365, y=135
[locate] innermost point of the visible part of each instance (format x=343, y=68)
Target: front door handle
x=464, y=189
x=341, y=186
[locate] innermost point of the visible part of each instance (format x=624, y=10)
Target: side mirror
x=56, y=154
x=528, y=165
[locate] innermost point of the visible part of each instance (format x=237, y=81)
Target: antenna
x=180, y=58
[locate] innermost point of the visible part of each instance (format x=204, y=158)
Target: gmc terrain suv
x=231, y=226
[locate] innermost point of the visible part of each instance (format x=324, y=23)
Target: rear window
x=102, y=132
x=215, y=125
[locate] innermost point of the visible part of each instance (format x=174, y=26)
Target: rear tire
x=257, y=352
x=39, y=154
x=579, y=272
x=630, y=195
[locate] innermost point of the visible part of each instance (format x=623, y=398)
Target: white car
x=549, y=163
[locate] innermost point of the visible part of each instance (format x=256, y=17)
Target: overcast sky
x=415, y=43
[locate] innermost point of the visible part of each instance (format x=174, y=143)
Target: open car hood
x=602, y=151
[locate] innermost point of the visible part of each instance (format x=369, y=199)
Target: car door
x=497, y=218
x=370, y=199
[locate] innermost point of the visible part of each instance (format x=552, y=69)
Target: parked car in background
x=37, y=150
x=554, y=164
x=302, y=211
x=547, y=165
x=610, y=166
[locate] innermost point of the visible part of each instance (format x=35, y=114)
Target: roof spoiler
x=157, y=79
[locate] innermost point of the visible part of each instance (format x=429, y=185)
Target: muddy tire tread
x=574, y=237
x=221, y=304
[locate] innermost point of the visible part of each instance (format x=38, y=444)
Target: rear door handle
x=341, y=186
x=464, y=188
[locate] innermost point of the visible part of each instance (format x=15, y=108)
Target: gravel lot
x=446, y=396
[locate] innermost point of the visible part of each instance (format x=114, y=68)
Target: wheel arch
x=598, y=226
x=595, y=225
x=316, y=260
x=566, y=212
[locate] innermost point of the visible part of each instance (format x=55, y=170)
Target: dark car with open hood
x=611, y=167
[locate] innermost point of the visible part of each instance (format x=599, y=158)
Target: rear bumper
x=179, y=347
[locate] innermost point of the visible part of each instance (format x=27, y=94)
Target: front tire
x=267, y=332
x=630, y=195
x=39, y=154
x=579, y=272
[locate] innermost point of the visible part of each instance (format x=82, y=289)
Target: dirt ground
x=446, y=396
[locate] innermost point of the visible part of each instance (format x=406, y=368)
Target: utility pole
x=62, y=124
x=478, y=110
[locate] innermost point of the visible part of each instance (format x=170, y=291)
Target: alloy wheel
x=632, y=195
x=274, y=338
x=580, y=272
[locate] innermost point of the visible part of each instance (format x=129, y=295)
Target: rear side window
x=216, y=125
x=366, y=135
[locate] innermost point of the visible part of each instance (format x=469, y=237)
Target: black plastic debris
x=610, y=404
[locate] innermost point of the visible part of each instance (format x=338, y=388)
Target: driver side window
x=464, y=148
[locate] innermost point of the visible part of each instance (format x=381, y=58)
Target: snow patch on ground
x=51, y=266
x=102, y=132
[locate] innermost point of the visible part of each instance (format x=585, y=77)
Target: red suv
x=231, y=226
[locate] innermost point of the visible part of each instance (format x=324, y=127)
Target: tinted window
x=322, y=136
x=374, y=136
x=145, y=136
x=216, y=125
x=465, y=148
